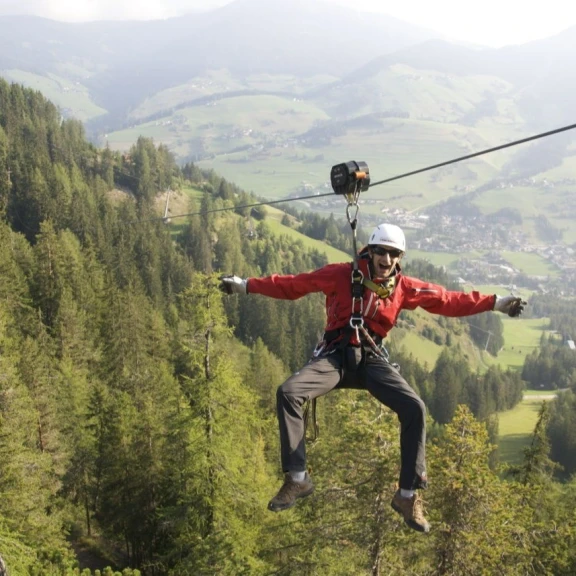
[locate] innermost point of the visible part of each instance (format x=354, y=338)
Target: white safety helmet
x=388, y=235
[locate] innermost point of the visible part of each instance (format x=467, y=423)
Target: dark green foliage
x=449, y=375
x=426, y=271
x=487, y=331
x=561, y=311
x=507, y=215
x=336, y=233
x=562, y=432
x=550, y=366
x=484, y=393
x=479, y=519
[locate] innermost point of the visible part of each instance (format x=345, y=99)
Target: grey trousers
x=383, y=381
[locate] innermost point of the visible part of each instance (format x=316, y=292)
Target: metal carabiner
x=350, y=219
x=357, y=324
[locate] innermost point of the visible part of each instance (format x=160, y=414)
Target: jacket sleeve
x=292, y=287
x=437, y=300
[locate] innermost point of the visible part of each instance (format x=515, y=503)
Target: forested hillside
x=137, y=425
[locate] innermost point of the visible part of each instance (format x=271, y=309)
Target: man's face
x=384, y=260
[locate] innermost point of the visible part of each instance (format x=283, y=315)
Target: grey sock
x=298, y=476
x=406, y=493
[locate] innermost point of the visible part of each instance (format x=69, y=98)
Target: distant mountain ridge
x=122, y=62
x=268, y=94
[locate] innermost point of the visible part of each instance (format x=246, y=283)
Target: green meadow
x=219, y=82
x=390, y=148
x=424, y=350
x=515, y=428
x=531, y=264
x=333, y=254
x=280, y=145
x=521, y=337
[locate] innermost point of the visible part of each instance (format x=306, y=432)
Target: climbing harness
x=349, y=180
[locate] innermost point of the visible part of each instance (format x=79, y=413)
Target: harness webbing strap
x=381, y=290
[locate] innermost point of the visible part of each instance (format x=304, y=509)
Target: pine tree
x=549, y=520
x=478, y=519
x=31, y=517
x=447, y=388
x=228, y=462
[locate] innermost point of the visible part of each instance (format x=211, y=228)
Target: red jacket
x=379, y=315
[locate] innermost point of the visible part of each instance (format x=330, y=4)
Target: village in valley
x=458, y=227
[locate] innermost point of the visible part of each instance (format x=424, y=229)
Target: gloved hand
x=230, y=284
x=511, y=305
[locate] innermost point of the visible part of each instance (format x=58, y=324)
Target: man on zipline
x=350, y=355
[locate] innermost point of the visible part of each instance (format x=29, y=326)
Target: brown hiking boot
x=413, y=511
x=290, y=492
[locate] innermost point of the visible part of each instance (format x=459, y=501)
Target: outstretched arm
x=437, y=300
x=289, y=287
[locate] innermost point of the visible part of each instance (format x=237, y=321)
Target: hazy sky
x=489, y=22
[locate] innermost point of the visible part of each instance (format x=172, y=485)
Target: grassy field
x=179, y=206
x=223, y=126
x=531, y=264
x=220, y=82
x=332, y=254
x=260, y=143
x=521, y=337
x=528, y=263
x=389, y=147
x=424, y=350
x=515, y=429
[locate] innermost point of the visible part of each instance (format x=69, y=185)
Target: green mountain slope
x=72, y=98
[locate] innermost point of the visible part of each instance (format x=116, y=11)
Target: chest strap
x=382, y=290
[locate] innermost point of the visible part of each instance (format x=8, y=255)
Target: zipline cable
x=386, y=180
x=475, y=154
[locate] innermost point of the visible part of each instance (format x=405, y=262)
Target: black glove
x=511, y=305
x=230, y=284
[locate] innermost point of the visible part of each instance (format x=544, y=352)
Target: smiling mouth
x=382, y=268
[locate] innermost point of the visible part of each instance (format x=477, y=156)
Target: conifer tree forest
x=137, y=403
